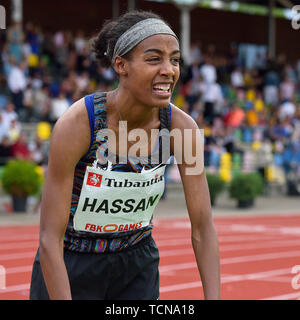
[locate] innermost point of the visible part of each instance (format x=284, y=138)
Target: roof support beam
x=271, y=31
x=286, y=3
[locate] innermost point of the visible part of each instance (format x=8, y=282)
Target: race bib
x=112, y=201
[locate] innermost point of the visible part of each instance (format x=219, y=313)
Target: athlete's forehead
x=159, y=43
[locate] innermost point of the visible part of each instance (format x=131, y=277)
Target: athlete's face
x=153, y=70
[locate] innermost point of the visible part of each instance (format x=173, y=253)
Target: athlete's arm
x=70, y=140
x=204, y=235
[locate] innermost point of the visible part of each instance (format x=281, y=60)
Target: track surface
x=258, y=255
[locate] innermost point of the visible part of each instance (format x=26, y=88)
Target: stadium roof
x=279, y=3
x=281, y=8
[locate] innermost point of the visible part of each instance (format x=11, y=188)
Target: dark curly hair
x=104, y=43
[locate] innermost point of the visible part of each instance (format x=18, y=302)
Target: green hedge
x=215, y=185
x=20, y=178
x=246, y=186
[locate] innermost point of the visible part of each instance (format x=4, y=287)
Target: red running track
x=260, y=259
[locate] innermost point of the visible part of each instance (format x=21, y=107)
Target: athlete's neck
x=126, y=108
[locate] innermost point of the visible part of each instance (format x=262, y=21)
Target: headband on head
x=139, y=32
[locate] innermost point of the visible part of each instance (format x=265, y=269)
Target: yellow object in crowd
x=270, y=173
x=44, y=130
x=33, y=60
x=225, y=167
x=250, y=95
x=207, y=132
x=258, y=105
x=179, y=101
x=93, y=84
x=225, y=174
x=226, y=160
x=248, y=80
x=41, y=172
x=256, y=145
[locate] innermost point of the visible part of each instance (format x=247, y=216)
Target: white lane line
x=21, y=269
x=257, y=275
x=261, y=257
x=288, y=296
x=227, y=279
x=19, y=237
x=279, y=279
x=16, y=256
x=261, y=245
x=237, y=247
x=19, y=287
x=222, y=239
x=241, y=259
x=240, y=227
x=181, y=286
x=20, y=245
x=189, y=251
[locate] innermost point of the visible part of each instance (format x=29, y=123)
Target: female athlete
x=100, y=192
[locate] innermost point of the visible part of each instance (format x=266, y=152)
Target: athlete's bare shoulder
x=181, y=120
x=71, y=133
x=76, y=112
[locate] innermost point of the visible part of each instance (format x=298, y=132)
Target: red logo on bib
x=94, y=179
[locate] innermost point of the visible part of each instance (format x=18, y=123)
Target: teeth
x=162, y=87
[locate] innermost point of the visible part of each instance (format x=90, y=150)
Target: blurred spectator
x=28, y=103
x=82, y=81
x=272, y=82
x=15, y=37
x=20, y=148
x=195, y=54
x=208, y=71
x=79, y=42
x=17, y=84
x=42, y=101
x=236, y=77
x=287, y=89
x=14, y=131
x=287, y=110
x=8, y=115
x=38, y=151
x=234, y=117
x=5, y=150
x=291, y=157
x=3, y=128
x=212, y=98
x=58, y=106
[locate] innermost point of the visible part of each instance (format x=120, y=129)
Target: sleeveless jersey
x=82, y=235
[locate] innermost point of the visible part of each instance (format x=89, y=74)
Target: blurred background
x=240, y=81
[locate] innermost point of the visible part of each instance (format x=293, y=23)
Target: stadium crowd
x=251, y=117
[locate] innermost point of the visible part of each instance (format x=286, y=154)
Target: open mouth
x=162, y=88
